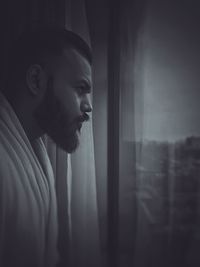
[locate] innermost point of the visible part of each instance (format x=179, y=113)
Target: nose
x=86, y=105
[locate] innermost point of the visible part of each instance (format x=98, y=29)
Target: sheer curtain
x=84, y=214
x=159, y=124
x=75, y=175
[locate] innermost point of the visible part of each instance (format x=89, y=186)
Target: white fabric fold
x=28, y=209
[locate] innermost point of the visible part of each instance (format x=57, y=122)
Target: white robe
x=28, y=209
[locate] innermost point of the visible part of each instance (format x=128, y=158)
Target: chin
x=69, y=145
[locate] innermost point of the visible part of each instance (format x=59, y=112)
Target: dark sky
x=171, y=70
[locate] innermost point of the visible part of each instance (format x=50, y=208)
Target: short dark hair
x=34, y=46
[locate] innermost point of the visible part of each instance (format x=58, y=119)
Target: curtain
x=159, y=125
x=84, y=215
x=75, y=175
x=133, y=213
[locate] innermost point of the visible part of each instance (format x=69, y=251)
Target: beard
x=55, y=121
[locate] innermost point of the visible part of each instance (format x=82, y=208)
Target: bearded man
x=47, y=92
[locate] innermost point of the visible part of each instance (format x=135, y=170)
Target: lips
x=81, y=120
x=84, y=117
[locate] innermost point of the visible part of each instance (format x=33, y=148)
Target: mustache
x=84, y=117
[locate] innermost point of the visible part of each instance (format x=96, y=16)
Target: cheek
x=68, y=97
x=71, y=103
x=75, y=105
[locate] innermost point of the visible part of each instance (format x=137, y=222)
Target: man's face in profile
x=66, y=101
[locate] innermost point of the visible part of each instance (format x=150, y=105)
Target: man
x=47, y=91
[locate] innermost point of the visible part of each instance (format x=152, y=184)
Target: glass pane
x=160, y=134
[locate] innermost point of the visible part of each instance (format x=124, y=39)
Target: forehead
x=72, y=63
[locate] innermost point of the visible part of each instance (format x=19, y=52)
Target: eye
x=80, y=90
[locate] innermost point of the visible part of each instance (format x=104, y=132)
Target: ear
x=35, y=79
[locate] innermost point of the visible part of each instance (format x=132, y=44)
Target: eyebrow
x=86, y=84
